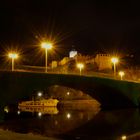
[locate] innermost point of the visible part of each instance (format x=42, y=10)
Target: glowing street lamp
x=46, y=46
x=121, y=73
x=80, y=66
x=13, y=56
x=114, y=60
x=124, y=137
x=39, y=94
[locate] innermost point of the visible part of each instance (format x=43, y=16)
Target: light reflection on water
x=70, y=123
x=40, y=110
x=48, y=121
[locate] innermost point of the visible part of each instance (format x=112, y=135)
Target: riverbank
x=9, y=135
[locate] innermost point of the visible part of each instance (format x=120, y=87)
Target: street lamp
x=124, y=137
x=80, y=66
x=46, y=46
x=39, y=94
x=13, y=56
x=121, y=73
x=114, y=60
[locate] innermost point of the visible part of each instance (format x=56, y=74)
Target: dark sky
x=90, y=26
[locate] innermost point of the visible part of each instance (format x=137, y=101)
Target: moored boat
x=39, y=103
x=42, y=110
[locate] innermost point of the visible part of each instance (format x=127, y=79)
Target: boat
x=42, y=110
x=39, y=103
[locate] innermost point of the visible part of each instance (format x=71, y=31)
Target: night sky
x=88, y=26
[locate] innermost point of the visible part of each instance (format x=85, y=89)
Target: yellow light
x=80, y=65
x=39, y=114
x=6, y=109
x=114, y=60
x=68, y=93
x=68, y=115
x=46, y=45
x=124, y=137
x=121, y=73
x=39, y=94
x=13, y=55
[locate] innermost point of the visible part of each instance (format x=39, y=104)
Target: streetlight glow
x=123, y=137
x=121, y=73
x=114, y=60
x=46, y=46
x=13, y=56
x=39, y=94
x=80, y=66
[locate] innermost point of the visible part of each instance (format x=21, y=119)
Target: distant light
x=68, y=93
x=13, y=55
x=46, y=45
x=121, y=73
x=6, y=109
x=114, y=60
x=72, y=54
x=68, y=115
x=80, y=65
x=39, y=94
x=56, y=122
x=18, y=112
x=39, y=114
x=124, y=137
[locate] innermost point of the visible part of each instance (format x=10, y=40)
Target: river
x=73, y=123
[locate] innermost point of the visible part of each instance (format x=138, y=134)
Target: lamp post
x=114, y=60
x=13, y=56
x=121, y=73
x=46, y=46
x=39, y=94
x=80, y=66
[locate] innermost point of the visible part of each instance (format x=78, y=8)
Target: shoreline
x=9, y=135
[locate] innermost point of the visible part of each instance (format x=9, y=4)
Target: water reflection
x=123, y=137
x=40, y=110
x=48, y=121
x=76, y=117
x=18, y=112
x=73, y=123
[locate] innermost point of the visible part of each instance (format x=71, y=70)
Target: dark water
x=78, y=116
x=70, y=123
